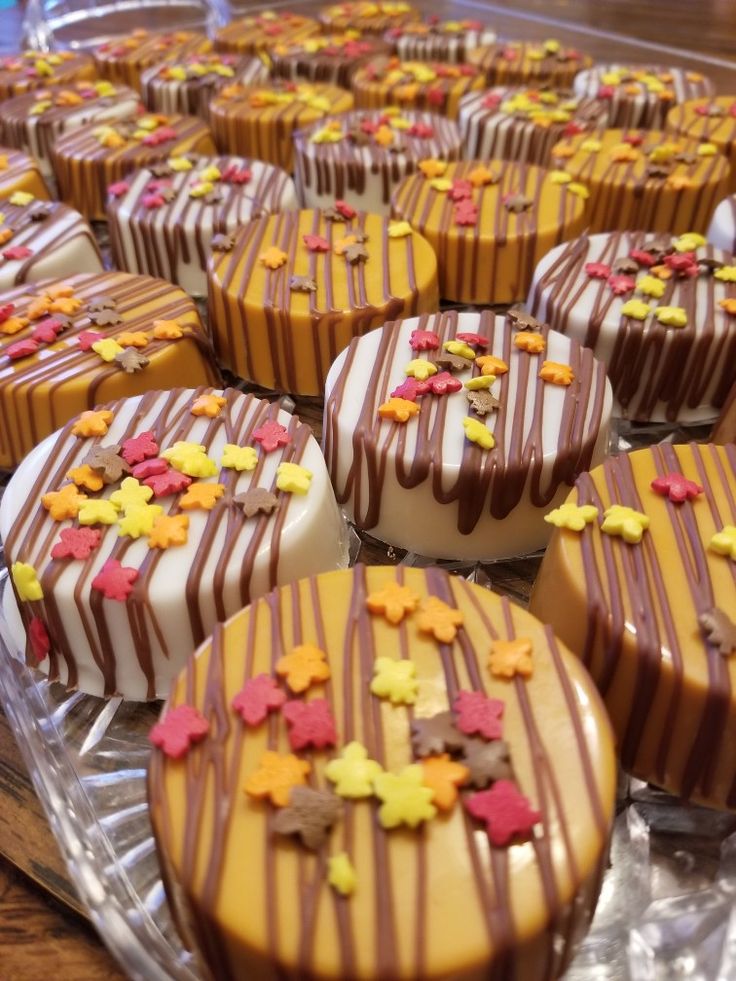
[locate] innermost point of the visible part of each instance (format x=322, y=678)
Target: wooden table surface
x=42, y=928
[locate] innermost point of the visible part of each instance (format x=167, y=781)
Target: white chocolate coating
x=61, y=243
x=365, y=174
x=445, y=41
x=391, y=477
x=659, y=373
x=173, y=240
x=191, y=95
x=182, y=591
x=722, y=228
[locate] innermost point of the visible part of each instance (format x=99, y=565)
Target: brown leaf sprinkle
x=302, y=284
x=482, y=402
x=452, y=362
x=436, y=734
x=487, y=761
x=108, y=462
x=517, y=203
x=719, y=629
x=310, y=814
x=521, y=320
x=131, y=360
x=222, y=243
x=101, y=302
x=257, y=500
x=355, y=253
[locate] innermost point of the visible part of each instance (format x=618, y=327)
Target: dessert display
x=186, y=85
x=367, y=17
x=523, y=124
x=529, y=63
x=724, y=430
x=643, y=179
x=439, y=40
x=164, y=219
x=123, y=59
x=451, y=434
x=261, y=121
x=489, y=223
x=655, y=309
x=92, y=158
x=290, y=291
x=722, y=228
x=355, y=731
x=32, y=122
x=31, y=69
x=435, y=86
x=329, y=58
x=138, y=526
x=360, y=157
x=638, y=582
x=43, y=240
x=68, y=344
x=641, y=96
x=20, y=174
x=710, y=121
x=259, y=32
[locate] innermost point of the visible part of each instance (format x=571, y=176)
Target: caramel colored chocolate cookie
x=123, y=59
x=710, y=121
x=68, y=344
x=256, y=34
x=331, y=58
x=31, y=69
x=32, y=122
x=89, y=160
x=439, y=40
x=260, y=121
x=643, y=179
x=435, y=86
x=529, y=63
x=20, y=173
x=409, y=869
x=641, y=95
x=188, y=84
x=489, y=223
x=638, y=581
x=295, y=288
x=367, y=16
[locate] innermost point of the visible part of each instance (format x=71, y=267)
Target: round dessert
x=261, y=122
x=641, y=95
x=20, y=173
x=163, y=219
x=32, y=122
x=722, y=228
x=332, y=58
x=724, y=430
x=523, y=124
x=43, y=240
x=450, y=434
x=529, y=63
x=642, y=179
x=187, y=85
x=89, y=160
x=655, y=310
x=414, y=85
x=509, y=772
x=366, y=16
x=638, y=581
x=293, y=290
x=360, y=157
x=439, y=40
x=259, y=32
x=489, y=224
x=67, y=344
x=123, y=59
x=135, y=528
x=31, y=69
x=710, y=121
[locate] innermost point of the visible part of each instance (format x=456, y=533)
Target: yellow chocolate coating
x=492, y=260
x=720, y=130
x=388, y=81
x=623, y=196
x=244, y=123
x=630, y=612
x=256, y=34
x=286, y=339
x=19, y=172
x=433, y=903
x=524, y=62
x=123, y=59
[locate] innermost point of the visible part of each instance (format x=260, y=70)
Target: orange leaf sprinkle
x=305, y=665
x=275, y=777
x=530, y=342
x=203, y=496
x=443, y=776
x=439, y=619
x=393, y=600
x=209, y=405
x=511, y=657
